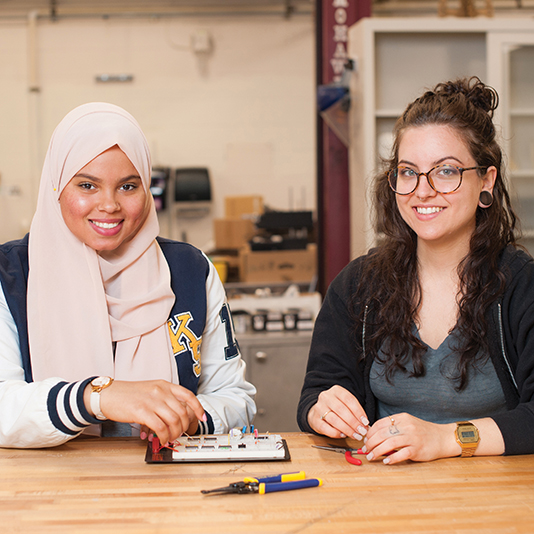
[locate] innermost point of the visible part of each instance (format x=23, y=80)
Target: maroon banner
x=334, y=18
x=337, y=17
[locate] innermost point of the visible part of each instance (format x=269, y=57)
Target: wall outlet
x=201, y=41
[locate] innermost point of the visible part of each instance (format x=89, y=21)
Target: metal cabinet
x=276, y=365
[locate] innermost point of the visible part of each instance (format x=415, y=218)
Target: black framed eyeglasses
x=442, y=179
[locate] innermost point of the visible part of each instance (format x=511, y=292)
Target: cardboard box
x=278, y=265
x=237, y=207
x=232, y=233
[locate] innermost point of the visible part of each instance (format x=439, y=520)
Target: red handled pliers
x=346, y=450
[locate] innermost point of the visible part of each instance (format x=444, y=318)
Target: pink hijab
x=80, y=303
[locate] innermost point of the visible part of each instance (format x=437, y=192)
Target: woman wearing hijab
x=101, y=322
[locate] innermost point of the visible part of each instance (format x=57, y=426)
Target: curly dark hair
x=390, y=277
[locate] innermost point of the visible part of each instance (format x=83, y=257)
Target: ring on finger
x=393, y=430
x=323, y=417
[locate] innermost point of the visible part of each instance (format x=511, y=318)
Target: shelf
x=393, y=113
x=522, y=112
x=277, y=288
x=253, y=337
x=388, y=113
x=528, y=234
x=522, y=174
x=250, y=303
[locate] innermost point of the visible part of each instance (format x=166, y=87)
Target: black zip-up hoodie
x=336, y=349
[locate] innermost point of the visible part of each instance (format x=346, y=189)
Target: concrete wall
x=245, y=109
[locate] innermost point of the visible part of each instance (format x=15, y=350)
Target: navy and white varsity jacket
x=50, y=412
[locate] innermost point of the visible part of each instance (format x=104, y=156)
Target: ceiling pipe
x=285, y=10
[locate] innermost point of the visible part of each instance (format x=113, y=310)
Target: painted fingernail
x=204, y=417
x=364, y=449
x=365, y=440
x=357, y=437
x=386, y=460
x=370, y=456
x=342, y=435
x=362, y=430
x=143, y=435
x=150, y=437
x=365, y=421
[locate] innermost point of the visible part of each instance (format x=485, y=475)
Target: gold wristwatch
x=97, y=385
x=467, y=437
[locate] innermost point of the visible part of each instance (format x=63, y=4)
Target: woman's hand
x=168, y=409
x=145, y=432
x=404, y=437
x=338, y=414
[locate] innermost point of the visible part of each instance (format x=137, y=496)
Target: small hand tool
x=346, y=450
x=283, y=482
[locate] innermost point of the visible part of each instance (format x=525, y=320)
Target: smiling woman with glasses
x=424, y=347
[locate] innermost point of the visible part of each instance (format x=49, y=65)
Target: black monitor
x=192, y=184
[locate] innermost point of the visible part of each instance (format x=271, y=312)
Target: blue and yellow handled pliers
x=284, y=482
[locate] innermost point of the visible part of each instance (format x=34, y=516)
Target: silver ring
x=323, y=417
x=393, y=429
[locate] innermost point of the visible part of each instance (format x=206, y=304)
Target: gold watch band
x=102, y=382
x=467, y=437
x=468, y=449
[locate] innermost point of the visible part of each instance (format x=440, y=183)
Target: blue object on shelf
x=328, y=95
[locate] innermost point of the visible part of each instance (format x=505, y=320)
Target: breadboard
x=221, y=448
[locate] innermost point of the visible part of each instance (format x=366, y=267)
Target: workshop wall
x=240, y=101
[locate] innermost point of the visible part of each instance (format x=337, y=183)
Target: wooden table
x=104, y=485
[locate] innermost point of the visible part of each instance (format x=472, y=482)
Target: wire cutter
x=346, y=450
x=284, y=482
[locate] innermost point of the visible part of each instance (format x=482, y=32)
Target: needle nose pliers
x=283, y=482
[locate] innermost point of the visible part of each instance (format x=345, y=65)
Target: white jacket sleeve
x=223, y=391
x=36, y=414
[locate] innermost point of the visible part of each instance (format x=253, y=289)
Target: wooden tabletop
x=104, y=485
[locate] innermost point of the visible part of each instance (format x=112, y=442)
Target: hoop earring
x=486, y=199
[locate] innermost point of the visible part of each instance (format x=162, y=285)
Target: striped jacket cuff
x=66, y=408
x=205, y=427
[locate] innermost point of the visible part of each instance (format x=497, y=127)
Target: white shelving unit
x=396, y=59
x=518, y=70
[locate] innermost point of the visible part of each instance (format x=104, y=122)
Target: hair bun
x=474, y=90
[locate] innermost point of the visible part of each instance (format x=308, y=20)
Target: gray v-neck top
x=433, y=397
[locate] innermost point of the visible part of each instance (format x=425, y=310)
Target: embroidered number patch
x=184, y=339
x=232, y=348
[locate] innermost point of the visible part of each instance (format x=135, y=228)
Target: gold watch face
x=468, y=434
x=99, y=383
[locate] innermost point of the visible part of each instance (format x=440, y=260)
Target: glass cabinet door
x=516, y=116
x=521, y=154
